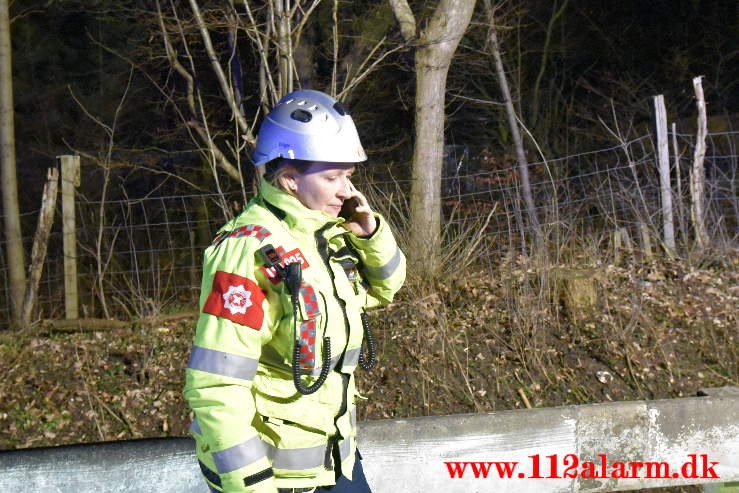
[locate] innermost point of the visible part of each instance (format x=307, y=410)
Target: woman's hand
x=361, y=221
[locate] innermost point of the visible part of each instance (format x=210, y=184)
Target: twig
x=263, y=51
x=356, y=80
x=524, y=398
x=121, y=419
x=723, y=377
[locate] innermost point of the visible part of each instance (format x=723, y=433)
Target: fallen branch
x=178, y=316
x=49, y=326
x=82, y=325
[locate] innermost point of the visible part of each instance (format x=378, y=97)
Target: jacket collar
x=295, y=215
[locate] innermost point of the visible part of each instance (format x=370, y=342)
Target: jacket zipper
x=322, y=245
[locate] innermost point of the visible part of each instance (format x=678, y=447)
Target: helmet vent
x=289, y=101
x=340, y=109
x=301, y=116
x=313, y=108
x=301, y=102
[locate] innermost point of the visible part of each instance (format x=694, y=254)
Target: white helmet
x=311, y=126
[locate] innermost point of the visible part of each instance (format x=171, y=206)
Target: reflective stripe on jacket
x=254, y=431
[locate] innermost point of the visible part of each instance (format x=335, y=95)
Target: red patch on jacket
x=236, y=298
x=287, y=258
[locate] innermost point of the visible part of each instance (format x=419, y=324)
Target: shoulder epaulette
x=254, y=230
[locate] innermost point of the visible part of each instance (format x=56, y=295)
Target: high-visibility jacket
x=254, y=431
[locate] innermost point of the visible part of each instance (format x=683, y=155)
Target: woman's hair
x=276, y=170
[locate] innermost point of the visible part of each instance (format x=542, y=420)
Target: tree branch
x=359, y=78
x=174, y=61
x=264, y=72
x=220, y=75
x=405, y=17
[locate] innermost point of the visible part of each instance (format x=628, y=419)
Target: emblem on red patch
x=287, y=258
x=236, y=298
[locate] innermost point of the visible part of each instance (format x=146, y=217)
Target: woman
x=285, y=286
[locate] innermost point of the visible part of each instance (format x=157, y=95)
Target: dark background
x=603, y=57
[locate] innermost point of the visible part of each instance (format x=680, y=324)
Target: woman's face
x=323, y=186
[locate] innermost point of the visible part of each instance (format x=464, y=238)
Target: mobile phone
x=348, y=208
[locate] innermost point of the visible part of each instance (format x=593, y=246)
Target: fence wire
x=136, y=256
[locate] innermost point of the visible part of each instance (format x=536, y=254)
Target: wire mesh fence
x=137, y=256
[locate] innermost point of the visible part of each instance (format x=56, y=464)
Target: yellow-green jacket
x=254, y=431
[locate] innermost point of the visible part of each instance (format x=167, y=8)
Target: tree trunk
x=15, y=258
x=428, y=156
x=284, y=45
x=435, y=48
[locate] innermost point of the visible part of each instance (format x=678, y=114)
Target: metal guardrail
x=410, y=455
x=413, y=452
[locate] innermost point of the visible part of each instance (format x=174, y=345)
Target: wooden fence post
x=626, y=240
x=668, y=225
x=70, y=166
x=698, y=176
x=680, y=197
x=646, y=241
x=40, y=244
x=616, y=246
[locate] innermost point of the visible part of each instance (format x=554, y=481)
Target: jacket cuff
x=377, y=227
x=371, y=241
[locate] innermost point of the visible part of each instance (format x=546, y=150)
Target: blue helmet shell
x=311, y=126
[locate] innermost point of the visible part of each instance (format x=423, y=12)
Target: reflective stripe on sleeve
x=387, y=270
x=220, y=363
x=240, y=455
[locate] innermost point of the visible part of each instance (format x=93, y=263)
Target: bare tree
x=435, y=47
x=273, y=35
x=513, y=122
x=11, y=212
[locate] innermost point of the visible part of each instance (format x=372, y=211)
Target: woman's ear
x=288, y=182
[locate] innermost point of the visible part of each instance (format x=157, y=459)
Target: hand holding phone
x=349, y=208
x=360, y=219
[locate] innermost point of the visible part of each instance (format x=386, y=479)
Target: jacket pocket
x=298, y=451
x=276, y=397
